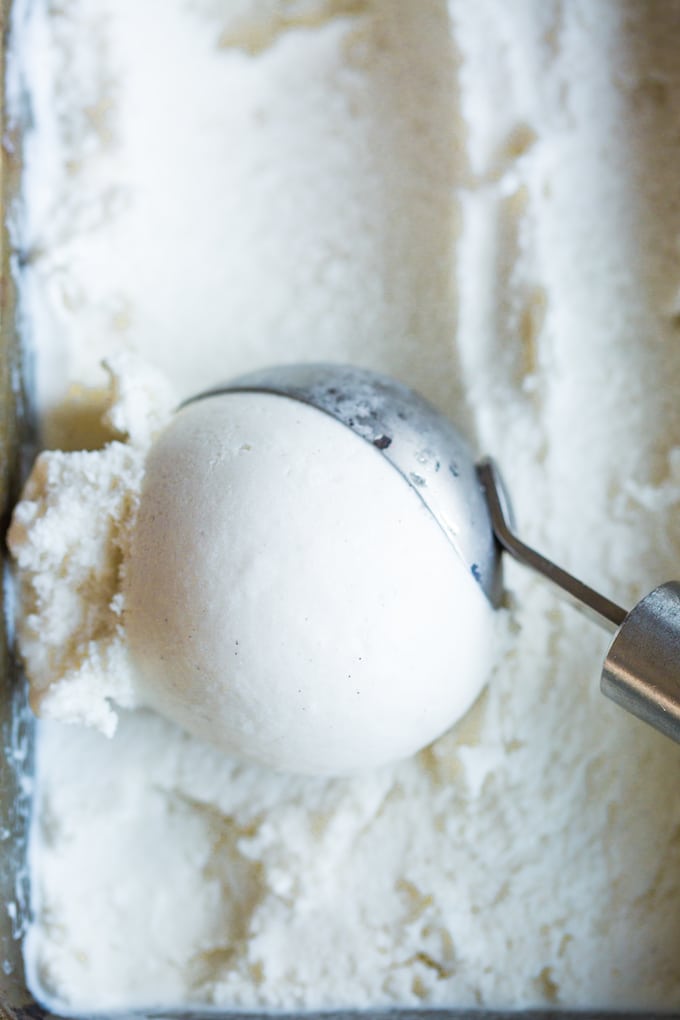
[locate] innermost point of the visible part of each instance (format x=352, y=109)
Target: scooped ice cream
x=289, y=596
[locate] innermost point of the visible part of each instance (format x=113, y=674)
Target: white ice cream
x=290, y=598
x=482, y=199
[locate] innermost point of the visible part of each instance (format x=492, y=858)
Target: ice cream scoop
x=641, y=671
x=315, y=567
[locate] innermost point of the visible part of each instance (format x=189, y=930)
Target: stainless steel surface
x=16, y=721
x=422, y=444
x=35, y=1012
x=641, y=672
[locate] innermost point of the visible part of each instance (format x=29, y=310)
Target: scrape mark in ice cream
x=254, y=34
x=531, y=322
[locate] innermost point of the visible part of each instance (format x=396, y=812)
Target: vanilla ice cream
x=483, y=200
x=289, y=596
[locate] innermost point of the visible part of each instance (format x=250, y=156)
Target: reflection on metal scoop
x=641, y=671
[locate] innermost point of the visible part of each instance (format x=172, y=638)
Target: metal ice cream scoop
x=641, y=671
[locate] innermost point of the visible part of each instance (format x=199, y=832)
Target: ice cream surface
x=482, y=200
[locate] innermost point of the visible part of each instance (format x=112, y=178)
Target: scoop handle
x=641, y=670
x=583, y=598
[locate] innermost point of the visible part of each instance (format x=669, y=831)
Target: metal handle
x=641, y=671
x=583, y=598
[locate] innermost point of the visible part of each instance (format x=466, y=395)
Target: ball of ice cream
x=290, y=598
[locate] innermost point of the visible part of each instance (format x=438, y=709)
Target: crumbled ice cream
x=483, y=200
x=70, y=538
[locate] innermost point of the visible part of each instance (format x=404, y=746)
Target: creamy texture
x=290, y=598
x=484, y=201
